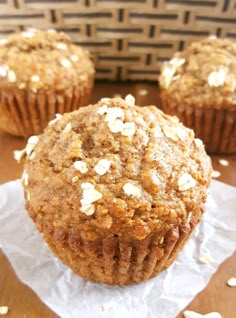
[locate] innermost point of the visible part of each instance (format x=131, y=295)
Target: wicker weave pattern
x=129, y=38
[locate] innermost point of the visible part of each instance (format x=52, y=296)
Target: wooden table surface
x=22, y=301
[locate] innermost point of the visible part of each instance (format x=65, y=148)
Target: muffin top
x=43, y=60
x=203, y=75
x=114, y=168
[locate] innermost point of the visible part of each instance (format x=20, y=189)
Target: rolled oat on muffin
x=41, y=73
x=116, y=189
x=198, y=86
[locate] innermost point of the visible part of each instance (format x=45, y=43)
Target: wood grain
x=24, y=303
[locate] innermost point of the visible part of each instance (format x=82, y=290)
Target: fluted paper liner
x=216, y=127
x=24, y=113
x=119, y=260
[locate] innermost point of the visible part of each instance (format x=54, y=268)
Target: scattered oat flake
x=67, y=128
x=3, y=71
x=11, y=76
x=171, y=132
x=206, y=259
x=198, y=142
x=116, y=126
x=35, y=78
x=186, y=182
x=58, y=117
x=128, y=129
x=87, y=209
x=142, y=92
x=25, y=178
x=131, y=189
x=102, y=110
x=32, y=141
x=107, y=306
x=87, y=185
x=74, y=58
x=81, y=166
x=32, y=155
x=213, y=315
x=130, y=100
x=102, y=166
x=61, y=46
x=216, y=78
x=224, y=162
x=3, y=41
x=168, y=73
x=27, y=35
x=232, y=282
x=4, y=310
x=192, y=314
x=215, y=174
x=65, y=63
x=114, y=113
x=117, y=96
x=19, y=154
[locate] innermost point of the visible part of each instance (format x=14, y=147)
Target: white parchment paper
x=162, y=297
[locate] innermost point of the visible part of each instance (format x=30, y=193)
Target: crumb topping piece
x=4, y=310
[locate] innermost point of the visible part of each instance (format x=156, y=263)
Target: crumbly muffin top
x=115, y=168
x=204, y=74
x=42, y=60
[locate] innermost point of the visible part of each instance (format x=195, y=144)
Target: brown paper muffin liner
x=23, y=113
x=216, y=127
x=117, y=260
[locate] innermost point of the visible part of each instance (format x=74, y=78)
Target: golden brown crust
x=115, y=178
x=202, y=75
x=43, y=61
x=41, y=73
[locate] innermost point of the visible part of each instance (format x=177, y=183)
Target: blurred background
x=128, y=38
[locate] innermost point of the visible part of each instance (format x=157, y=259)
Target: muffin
x=199, y=86
x=41, y=73
x=116, y=189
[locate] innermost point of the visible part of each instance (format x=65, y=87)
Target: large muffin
x=199, y=86
x=116, y=189
x=41, y=73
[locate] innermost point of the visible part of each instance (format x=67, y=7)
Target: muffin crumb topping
x=90, y=195
x=68, y=128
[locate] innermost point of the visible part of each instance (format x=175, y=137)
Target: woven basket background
x=129, y=38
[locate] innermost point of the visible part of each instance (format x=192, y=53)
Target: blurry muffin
x=199, y=86
x=116, y=189
x=41, y=73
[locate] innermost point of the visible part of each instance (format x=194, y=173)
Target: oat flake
x=128, y=129
x=11, y=76
x=217, y=78
x=131, y=190
x=215, y=174
x=67, y=129
x=232, y=282
x=81, y=166
x=58, y=117
x=65, y=63
x=19, y=154
x=102, y=166
x=74, y=58
x=116, y=126
x=224, y=162
x=130, y=100
x=186, y=182
x=4, y=310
